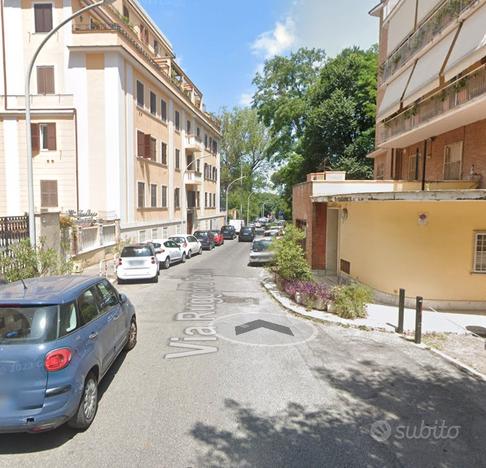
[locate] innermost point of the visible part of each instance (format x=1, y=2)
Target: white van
x=237, y=224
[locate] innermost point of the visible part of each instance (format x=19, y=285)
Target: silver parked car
x=261, y=252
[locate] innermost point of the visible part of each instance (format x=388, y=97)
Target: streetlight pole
x=28, y=132
x=248, y=208
x=263, y=209
x=227, y=191
x=184, y=205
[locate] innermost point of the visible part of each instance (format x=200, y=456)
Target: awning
x=470, y=44
x=425, y=76
x=402, y=22
x=393, y=94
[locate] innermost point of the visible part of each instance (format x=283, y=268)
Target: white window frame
x=477, y=235
x=461, y=158
x=142, y=236
x=43, y=145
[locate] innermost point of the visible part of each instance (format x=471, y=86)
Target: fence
x=12, y=230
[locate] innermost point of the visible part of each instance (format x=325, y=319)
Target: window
x=165, y=232
x=140, y=94
x=205, y=141
x=188, y=127
x=176, y=198
x=215, y=146
x=141, y=195
x=198, y=196
x=49, y=193
x=177, y=121
x=480, y=252
x=153, y=103
x=155, y=233
x=198, y=133
x=163, y=152
x=107, y=296
x=164, y=196
x=43, y=137
x=177, y=159
x=87, y=307
x=45, y=80
x=43, y=17
x=141, y=236
x=205, y=199
x=126, y=13
x=453, y=161
x=156, y=47
x=163, y=110
x=153, y=149
x=153, y=196
x=140, y=144
x=68, y=319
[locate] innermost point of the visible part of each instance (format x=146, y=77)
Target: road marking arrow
x=256, y=324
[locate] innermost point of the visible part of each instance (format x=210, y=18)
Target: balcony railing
x=449, y=11
x=40, y=101
x=192, y=178
x=454, y=95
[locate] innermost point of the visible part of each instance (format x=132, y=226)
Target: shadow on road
x=348, y=432
x=29, y=443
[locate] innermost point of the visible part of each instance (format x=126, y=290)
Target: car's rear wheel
x=88, y=405
x=183, y=259
x=155, y=279
x=132, y=336
x=120, y=281
x=166, y=263
x=189, y=254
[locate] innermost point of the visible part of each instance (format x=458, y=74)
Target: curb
x=271, y=288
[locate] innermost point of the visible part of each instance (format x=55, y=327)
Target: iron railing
x=12, y=230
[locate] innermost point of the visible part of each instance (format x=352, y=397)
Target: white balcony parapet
x=192, y=178
x=193, y=144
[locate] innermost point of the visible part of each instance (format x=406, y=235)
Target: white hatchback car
x=168, y=252
x=137, y=261
x=188, y=243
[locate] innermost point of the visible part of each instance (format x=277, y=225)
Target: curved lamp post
x=227, y=191
x=28, y=132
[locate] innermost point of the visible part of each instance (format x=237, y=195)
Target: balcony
x=192, y=178
x=193, y=144
x=443, y=16
x=459, y=103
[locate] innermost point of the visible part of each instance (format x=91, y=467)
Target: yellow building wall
x=389, y=249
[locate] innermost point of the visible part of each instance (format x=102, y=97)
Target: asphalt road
x=207, y=385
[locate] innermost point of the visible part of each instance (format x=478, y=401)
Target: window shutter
x=49, y=193
x=153, y=149
x=34, y=128
x=45, y=80
x=51, y=136
x=147, y=147
x=140, y=144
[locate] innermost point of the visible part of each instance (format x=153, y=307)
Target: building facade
x=421, y=224
x=118, y=128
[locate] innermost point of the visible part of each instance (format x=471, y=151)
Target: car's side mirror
x=123, y=298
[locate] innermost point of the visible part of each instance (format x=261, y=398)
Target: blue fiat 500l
x=58, y=338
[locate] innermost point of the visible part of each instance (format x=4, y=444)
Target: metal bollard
x=418, y=319
x=401, y=310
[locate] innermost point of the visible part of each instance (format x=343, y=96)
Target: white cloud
x=246, y=99
x=276, y=42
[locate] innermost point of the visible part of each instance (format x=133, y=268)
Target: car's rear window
x=200, y=235
x=247, y=231
x=28, y=324
x=260, y=246
x=179, y=240
x=136, y=252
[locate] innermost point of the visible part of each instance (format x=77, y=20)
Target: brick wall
x=473, y=137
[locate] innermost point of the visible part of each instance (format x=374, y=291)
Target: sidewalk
x=384, y=317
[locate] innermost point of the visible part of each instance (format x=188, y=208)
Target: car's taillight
x=119, y=261
x=152, y=259
x=58, y=359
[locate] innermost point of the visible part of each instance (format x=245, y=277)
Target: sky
x=221, y=44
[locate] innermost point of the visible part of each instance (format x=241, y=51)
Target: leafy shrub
x=24, y=261
x=350, y=300
x=290, y=262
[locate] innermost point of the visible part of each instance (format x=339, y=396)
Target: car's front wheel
x=132, y=336
x=88, y=406
x=189, y=254
x=166, y=263
x=183, y=259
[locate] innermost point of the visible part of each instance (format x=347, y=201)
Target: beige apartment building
x=421, y=224
x=116, y=121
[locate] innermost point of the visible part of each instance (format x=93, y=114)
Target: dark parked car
x=218, y=237
x=206, y=238
x=247, y=234
x=58, y=338
x=228, y=232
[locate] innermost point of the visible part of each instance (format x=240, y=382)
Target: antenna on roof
x=25, y=286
